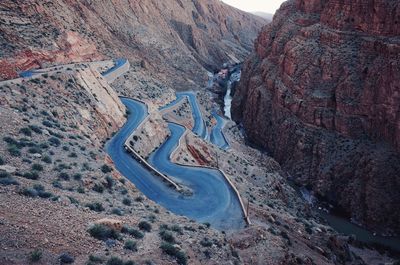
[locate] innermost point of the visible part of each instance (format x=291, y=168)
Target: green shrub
x=77, y=176
x=205, y=242
x=132, y=231
x=4, y=174
x=45, y=194
x=110, y=182
x=73, y=200
x=171, y=250
x=96, y=206
x=34, y=150
x=115, y=261
x=44, y=145
x=98, y=188
x=95, y=259
x=145, y=226
x=14, y=151
x=64, y=176
x=80, y=189
x=37, y=167
x=8, y=181
x=177, y=229
x=117, y=211
x=103, y=232
x=139, y=199
x=1, y=161
x=38, y=187
x=36, y=129
x=57, y=184
x=30, y=192
x=167, y=236
x=37, y=190
x=127, y=201
x=118, y=261
x=47, y=159
x=34, y=175
x=35, y=255
x=9, y=140
x=47, y=124
x=106, y=169
x=73, y=155
x=26, y=160
x=26, y=131
x=181, y=258
x=131, y=245
x=54, y=141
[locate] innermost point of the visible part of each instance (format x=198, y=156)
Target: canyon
x=321, y=93
x=114, y=148
x=175, y=39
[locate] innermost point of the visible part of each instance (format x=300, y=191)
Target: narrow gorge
x=192, y=132
x=321, y=93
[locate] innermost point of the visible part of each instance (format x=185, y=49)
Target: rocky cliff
x=173, y=38
x=322, y=94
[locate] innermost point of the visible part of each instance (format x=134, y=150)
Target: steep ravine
x=322, y=94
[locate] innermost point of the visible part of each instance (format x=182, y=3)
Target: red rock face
x=71, y=47
x=322, y=93
x=178, y=38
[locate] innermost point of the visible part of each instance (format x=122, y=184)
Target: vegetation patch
x=130, y=245
x=95, y=206
x=145, y=226
x=35, y=255
x=174, y=251
x=103, y=232
x=132, y=231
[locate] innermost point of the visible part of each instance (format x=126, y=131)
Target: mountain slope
x=173, y=38
x=322, y=93
x=267, y=16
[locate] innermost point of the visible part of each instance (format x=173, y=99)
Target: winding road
x=213, y=200
x=217, y=136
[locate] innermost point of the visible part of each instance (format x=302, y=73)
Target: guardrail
x=246, y=214
x=164, y=177
x=121, y=66
x=138, y=156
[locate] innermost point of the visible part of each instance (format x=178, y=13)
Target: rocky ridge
x=322, y=94
x=174, y=39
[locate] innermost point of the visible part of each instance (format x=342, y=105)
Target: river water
x=235, y=77
x=346, y=227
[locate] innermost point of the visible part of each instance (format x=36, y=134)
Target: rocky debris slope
x=56, y=182
x=322, y=94
x=173, y=38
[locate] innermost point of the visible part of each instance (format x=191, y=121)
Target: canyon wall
x=322, y=94
x=175, y=39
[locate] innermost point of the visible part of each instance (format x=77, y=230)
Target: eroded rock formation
x=176, y=39
x=322, y=94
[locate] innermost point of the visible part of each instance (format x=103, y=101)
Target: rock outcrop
x=176, y=38
x=322, y=94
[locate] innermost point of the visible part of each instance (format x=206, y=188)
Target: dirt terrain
x=62, y=201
